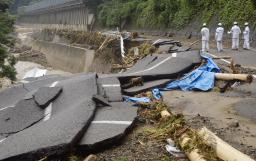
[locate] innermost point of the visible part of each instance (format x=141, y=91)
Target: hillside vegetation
x=6, y=26
x=175, y=13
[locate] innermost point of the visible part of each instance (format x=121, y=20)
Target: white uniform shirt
x=219, y=33
x=247, y=33
x=235, y=30
x=205, y=34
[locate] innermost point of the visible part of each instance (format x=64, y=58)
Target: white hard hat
x=246, y=23
x=204, y=24
x=235, y=23
x=219, y=24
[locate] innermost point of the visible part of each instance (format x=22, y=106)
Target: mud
x=246, y=108
x=218, y=113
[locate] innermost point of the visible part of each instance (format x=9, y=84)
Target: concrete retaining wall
x=65, y=57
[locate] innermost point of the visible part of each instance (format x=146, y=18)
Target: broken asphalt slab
x=23, y=115
x=100, y=100
x=109, y=126
x=45, y=95
x=146, y=86
x=160, y=42
x=71, y=115
x=10, y=96
x=159, y=67
x=110, y=88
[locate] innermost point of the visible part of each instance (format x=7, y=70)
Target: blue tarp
x=157, y=93
x=137, y=100
x=200, y=79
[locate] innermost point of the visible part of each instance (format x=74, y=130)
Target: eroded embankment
x=76, y=51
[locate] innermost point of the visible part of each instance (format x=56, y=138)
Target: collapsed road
x=87, y=112
x=50, y=115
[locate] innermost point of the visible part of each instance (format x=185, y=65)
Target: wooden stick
x=193, y=43
x=228, y=77
x=222, y=57
x=104, y=42
x=223, y=150
x=193, y=155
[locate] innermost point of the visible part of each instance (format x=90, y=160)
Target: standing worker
x=235, y=31
x=205, y=38
x=219, y=37
x=246, y=36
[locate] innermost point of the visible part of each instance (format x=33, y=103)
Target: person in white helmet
x=205, y=38
x=246, y=36
x=235, y=31
x=219, y=37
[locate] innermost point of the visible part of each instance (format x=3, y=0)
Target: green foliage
x=4, y=4
x=6, y=23
x=7, y=61
x=175, y=13
x=7, y=65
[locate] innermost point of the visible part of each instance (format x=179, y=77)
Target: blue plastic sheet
x=137, y=100
x=157, y=94
x=200, y=79
x=210, y=66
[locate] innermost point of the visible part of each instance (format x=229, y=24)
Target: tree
x=7, y=61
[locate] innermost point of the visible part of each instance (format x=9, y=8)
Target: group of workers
x=235, y=32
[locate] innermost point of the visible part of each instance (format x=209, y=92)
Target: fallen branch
x=223, y=150
x=228, y=77
x=105, y=43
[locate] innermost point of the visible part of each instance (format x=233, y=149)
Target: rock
x=91, y=158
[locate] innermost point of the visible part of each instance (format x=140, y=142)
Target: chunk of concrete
x=45, y=95
x=23, y=115
x=109, y=126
